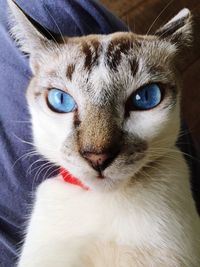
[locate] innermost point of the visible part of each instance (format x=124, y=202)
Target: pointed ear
x=178, y=30
x=31, y=37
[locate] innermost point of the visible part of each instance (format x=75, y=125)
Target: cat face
x=104, y=106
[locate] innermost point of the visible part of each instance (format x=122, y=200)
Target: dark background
x=139, y=16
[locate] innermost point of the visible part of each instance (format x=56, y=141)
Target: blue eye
x=60, y=101
x=147, y=97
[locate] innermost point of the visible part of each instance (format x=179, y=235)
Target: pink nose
x=98, y=161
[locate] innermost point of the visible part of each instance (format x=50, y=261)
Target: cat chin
x=91, y=179
x=113, y=178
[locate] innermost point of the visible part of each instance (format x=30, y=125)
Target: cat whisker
x=28, y=122
x=159, y=15
x=158, y=156
x=54, y=39
x=23, y=141
x=191, y=128
x=155, y=149
x=29, y=170
x=167, y=149
x=52, y=172
x=54, y=21
x=145, y=174
x=24, y=156
x=150, y=166
x=40, y=169
x=168, y=138
x=163, y=139
x=128, y=24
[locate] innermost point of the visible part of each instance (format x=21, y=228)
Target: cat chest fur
x=111, y=216
x=131, y=226
x=97, y=226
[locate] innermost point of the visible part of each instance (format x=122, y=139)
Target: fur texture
x=142, y=212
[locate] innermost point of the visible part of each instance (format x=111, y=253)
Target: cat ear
x=31, y=37
x=178, y=30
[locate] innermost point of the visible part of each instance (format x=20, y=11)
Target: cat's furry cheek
x=49, y=134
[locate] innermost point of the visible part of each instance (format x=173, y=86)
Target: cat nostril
x=98, y=161
x=96, y=158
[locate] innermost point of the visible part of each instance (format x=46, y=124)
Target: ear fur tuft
x=27, y=36
x=178, y=30
x=32, y=38
x=28, y=32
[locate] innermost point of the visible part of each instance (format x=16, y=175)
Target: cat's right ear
x=32, y=38
x=178, y=30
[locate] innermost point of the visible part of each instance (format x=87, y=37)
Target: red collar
x=69, y=178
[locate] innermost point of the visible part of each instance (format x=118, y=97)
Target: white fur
x=150, y=224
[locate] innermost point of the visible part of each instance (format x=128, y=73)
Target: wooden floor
x=142, y=15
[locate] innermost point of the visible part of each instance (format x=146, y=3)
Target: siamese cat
x=106, y=109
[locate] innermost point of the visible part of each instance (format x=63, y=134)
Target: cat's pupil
x=61, y=98
x=146, y=95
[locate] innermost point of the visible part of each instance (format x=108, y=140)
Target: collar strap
x=69, y=178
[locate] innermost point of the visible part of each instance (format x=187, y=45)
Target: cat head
x=104, y=106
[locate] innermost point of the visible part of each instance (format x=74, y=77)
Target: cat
x=106, y=108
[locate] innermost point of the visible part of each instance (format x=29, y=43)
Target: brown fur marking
x=88, y=55
x=134, y=67
x=37, y=94
x=76, y=119
x=116, y=48
x=98, y=133
x=91, y=51
x=70, y=71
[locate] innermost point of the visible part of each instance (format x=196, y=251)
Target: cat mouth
x=100, y=176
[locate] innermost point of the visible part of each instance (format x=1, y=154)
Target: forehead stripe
x=70, y=71
x=91, y=51
x=134, y=66
x=116, y=48
x=88, y=55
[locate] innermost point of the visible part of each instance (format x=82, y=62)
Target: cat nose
x=99, y=161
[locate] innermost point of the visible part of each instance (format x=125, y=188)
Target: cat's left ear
x=178, y=30
x=31, y=37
